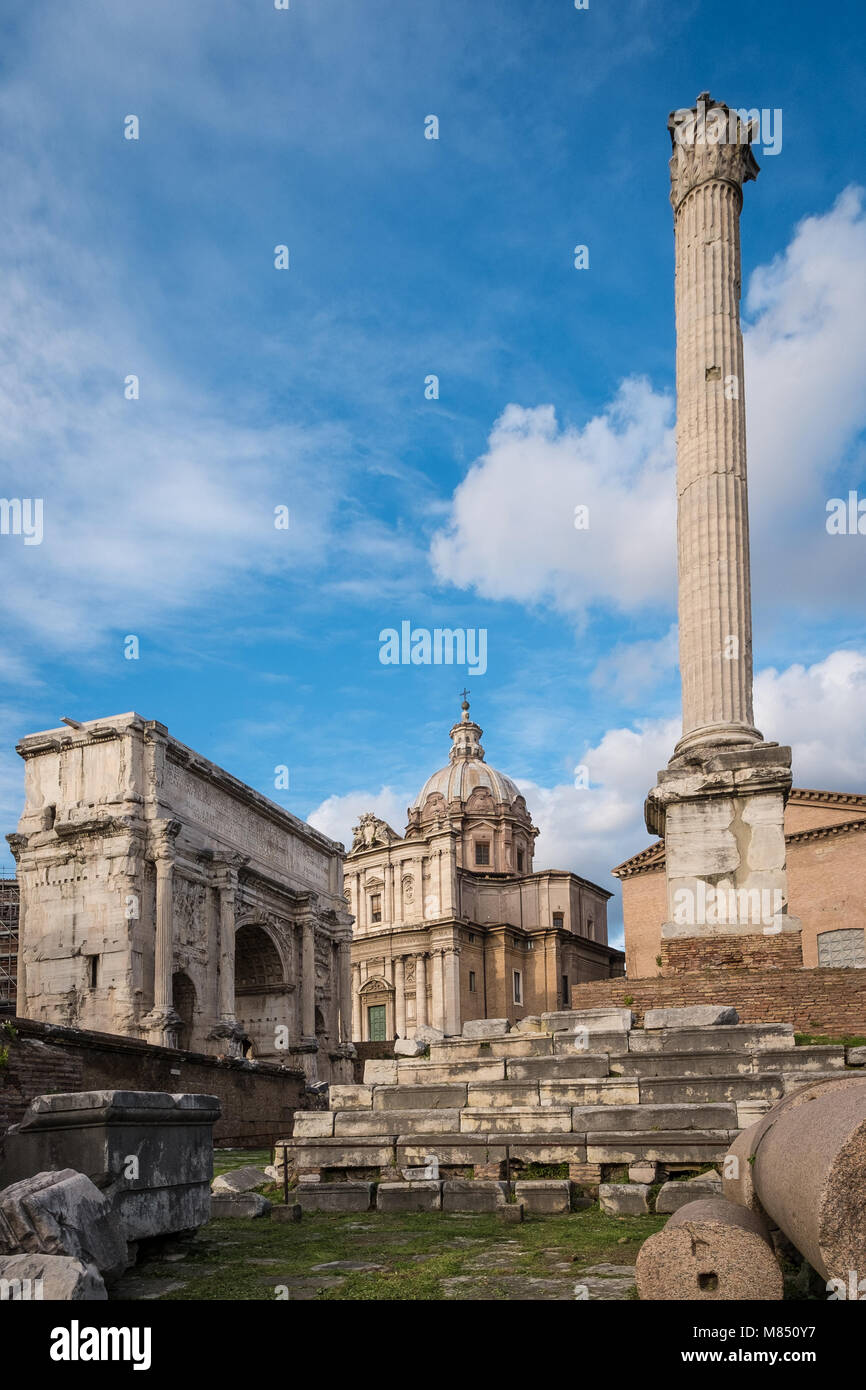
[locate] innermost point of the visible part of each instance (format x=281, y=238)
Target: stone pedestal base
x=720, y=810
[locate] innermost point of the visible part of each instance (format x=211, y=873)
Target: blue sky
x=305, y=387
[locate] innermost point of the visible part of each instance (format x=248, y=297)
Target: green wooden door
x=376, y=1022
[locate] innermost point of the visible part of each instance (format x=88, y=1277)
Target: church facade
x=452, y=923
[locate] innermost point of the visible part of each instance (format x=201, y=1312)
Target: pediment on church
x=371, y=832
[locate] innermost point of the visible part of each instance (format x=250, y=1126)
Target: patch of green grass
x=417, y=1252
x=224, y=1160
x=822, y=1040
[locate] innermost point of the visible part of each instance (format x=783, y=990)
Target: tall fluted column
x=452, y=992
x=437, y=1001
x=420, y=991
x=400, y=997
x=347, y=1021
x=715, y=622
x=308, y=978
x=162, y=1022
x=356, y=1003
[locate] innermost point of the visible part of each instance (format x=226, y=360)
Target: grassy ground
x=418, y=1256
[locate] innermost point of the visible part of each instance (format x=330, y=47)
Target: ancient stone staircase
x=588, y=1093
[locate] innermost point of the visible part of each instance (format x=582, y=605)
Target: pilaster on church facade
x=452, y=922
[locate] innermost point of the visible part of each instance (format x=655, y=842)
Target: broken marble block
x=62, y=1213
x=693, y=1016
x=486, y=1027
x=149, y=1152
x=409, y=1047
x=49, y=1278
x=244, y=1179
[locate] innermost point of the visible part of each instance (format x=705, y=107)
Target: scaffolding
x=8, y=938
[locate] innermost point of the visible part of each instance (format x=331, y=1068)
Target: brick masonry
x=258, y=1100
x=759, y=952
x=831, y=1002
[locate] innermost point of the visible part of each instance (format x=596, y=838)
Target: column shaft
x=308, y=979
x=420, y=991
x=399, y=997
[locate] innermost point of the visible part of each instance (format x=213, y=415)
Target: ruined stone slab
x=588, y=1044
x=678, y=1064
x=673, y=1195
x=624, y=1198
x=424, y=1097
x=426, y=1033
x=393, y=1122
x=855, y=1056
x=498, y=1095
x=530, y=1023
x=598, y=1119
x=695, y=1090
x=445, y=1073
x=380, y=1073
x=510, y=1045
x=674, y=1146
x=544, y=1196
x=458, y=1151
x=607, y=1090
x=644, y=1172
x=537, y=1120
x=473, y=1195
x=409, y=1047
x=313, y=1124
x=244, y=1179
x=35, y=1278
x=350, y=1097
x=711, y=1251
x=336, y=1196
x=62, y=1213
x=354, y=1152
x=409, y=1196
x=574, y=1066
x=486, y=1027
x=691, y=1016
x=731, y=1037
x=603, y=1020
x=249, y=1205
x=820, y=1058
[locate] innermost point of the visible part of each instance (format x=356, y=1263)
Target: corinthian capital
x=710, y=141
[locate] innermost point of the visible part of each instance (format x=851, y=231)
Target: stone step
x=690, y=1090
x=703, y=1064
x=606, y=1090
x=660, y=1146
x=390, y=1123
x=508, y=1045
x=442, y=1073
x=577, y=1066
x=446, y=1096
x=821, y=1058
x=474, y=1150
x=596, y=1119
x=516, y=1120
x=566, y=1045
x=363, y=1151
x=726, y=1037
x=605, y=1020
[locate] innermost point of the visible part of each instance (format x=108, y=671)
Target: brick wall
x=683, y=956
x=832, y=1002
x=258, y=1101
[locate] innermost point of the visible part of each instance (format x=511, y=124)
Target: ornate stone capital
x=709, y=142
x=162, y=838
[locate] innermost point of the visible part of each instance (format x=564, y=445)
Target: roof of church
x=467, y=769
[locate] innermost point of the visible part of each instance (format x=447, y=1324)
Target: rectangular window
x=518, y=988
x=482, y=851
x=93, y=967
x=471, y=981
x=471, y=938
x=565, y=990
x=559, y=919
x=520, y=861
x=375, y=907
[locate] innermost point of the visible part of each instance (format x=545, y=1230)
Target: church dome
x=467, y=771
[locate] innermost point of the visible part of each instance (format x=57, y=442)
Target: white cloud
x=633, y=668
x=818, y=710
x=338, y=814
x=510, y=532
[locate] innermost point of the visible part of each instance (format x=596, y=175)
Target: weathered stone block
x=313, y=1124
x=240, y=1180
x=62, y=1213
x=604, y=1020
x=427, y=1034
x=486, y=1027
x=644, y=1172
x=530, y=1023
x=350, y=1097
x=575, y=1066
x=336, y=1196
x=541, y=1120
x=594, y=1119
x=512, y=1213
x=693, y=1016
x=49, y=1278
x=409, y=1196
x=443, y=1073
x=409, y=1047
x=673, y=1195
x=380, y=1073
x=238, y=1204
x=475, y=1195
x=291, y=1212
x=604, y=1091
x=498, y=1095
x=675, y=1146
x=624, y=1198
x=385, y=1122
x=855, y=1056
x=423, y=1097
x=545, y=1197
